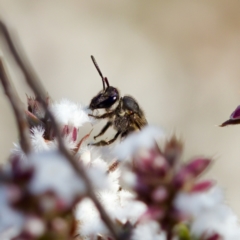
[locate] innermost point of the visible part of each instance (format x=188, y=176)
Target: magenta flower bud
x=191, y=171
x=14, y=193
x=160, y=194
x=202, y=186
x=74, y=134
x=234, y=118
x=152, y=213
x=70, y=131
x=213, y=237
x=197, y=166
x=21, y=173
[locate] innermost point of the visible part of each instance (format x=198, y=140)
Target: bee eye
x=108, y=102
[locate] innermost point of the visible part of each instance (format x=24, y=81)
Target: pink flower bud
x=191, y=171
x=159, y=194
x=202, y=186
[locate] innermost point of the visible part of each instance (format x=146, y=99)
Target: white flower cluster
x=53, y=172
x=11, y=221
x=69, y=113
x=209, y=214
x=119, y=203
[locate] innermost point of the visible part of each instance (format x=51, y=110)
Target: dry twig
x=17, y=108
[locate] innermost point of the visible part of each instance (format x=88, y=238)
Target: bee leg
x=124, y=134
x=105, y=115
x=104, y=129
x=104, y=143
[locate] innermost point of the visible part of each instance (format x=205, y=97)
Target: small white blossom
x=148, y=231
x=37, y=140
x=17, y=151
x=113, y=177
x=89, y=220
x=35, y=226
x=53, y=172
x=130, y=209
x=69, y=113
x=11, y=221
x=209, y=214
x=146, y=139
x=119, y=204
x=85, y=154
x=98, y=178
x=128, y=179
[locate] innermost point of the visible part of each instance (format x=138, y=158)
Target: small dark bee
x=124, y=113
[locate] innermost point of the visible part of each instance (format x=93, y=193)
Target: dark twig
x=17, y=108
x=33, y=81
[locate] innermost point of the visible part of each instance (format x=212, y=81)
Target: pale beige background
x=180, y=59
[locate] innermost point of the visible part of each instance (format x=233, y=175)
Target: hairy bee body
x=121, y=123
x=125, y=118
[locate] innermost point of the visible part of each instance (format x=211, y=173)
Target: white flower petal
x=209, y=214
x=145, y=138
x=70, y=113
x=53, y=172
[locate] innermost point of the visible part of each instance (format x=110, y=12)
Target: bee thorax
x=121, y=123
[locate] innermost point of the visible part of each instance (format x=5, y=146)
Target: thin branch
x=34, y=82
x=22, y=61
x=17, y=108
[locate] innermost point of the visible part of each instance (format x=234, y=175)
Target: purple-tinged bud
x=202, y=186
x=234, y=118
x=49, y=202
x=74, y=134
x=190, y=171
x=14, y=193
x=36, y=108
x=141, y=187
x=152, y=213
x=197, y=166
x=20, y=172
x=173, y=150
x=213, y=237
x=33, y=121
x=236, y=113
x=150, y=162
x=70, y=131
x=59, y=225
x=160, y=194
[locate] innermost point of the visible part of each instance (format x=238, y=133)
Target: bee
x=123, y=113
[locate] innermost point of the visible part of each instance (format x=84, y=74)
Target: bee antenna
x=99, y=71
x=106, y=81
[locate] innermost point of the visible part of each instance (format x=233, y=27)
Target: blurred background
x=179, y=59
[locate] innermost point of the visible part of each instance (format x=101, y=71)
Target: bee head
x=106, y=97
